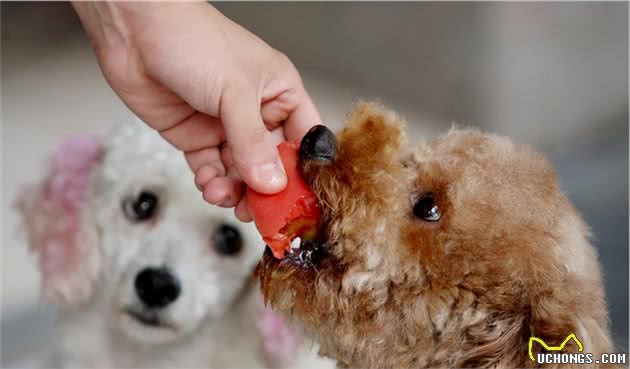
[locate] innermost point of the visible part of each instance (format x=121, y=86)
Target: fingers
x=276, y=136
x=223, y=191
x=276, y=110
x=302, y=118
x=197, y=131
x=219, y=183
x=210, y=177
x=211, y=166
x=294, y=108
x=218, y=179
x=206, y=164
x=242, y=211
x=204, y=175
x=200, y=158
x=253, y=152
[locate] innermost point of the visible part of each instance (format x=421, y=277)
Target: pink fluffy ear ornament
x=53, y=214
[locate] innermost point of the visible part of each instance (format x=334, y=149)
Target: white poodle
x=145, y=273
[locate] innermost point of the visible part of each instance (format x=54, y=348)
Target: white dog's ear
x=58, y=226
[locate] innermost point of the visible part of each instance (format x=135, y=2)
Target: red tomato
x=292, y=213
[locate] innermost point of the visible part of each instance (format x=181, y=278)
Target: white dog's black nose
x=157, y=287
x=318, y=145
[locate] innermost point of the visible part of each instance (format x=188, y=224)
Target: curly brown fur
x=510, y=257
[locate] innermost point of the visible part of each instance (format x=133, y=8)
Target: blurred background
x=553, y=75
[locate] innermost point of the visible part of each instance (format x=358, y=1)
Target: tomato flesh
x=293, y=212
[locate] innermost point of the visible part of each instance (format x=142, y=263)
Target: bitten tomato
x=292, y=213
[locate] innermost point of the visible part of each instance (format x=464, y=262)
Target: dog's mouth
x=148, y=318
x=303, y=254
x=300, y=265
x=308, y=241
x=304, y=260
x=309, y=244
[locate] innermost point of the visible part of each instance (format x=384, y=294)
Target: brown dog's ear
x=57, y=225
x=374, y=133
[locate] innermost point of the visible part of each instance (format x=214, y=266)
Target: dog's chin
x=303, y=259
x=147, y=327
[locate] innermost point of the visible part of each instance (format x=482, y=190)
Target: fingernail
x=226, y=202
x=270, y=174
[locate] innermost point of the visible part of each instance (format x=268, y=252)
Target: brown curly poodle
x=450, y=255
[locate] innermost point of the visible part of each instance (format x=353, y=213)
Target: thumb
x=253, y=152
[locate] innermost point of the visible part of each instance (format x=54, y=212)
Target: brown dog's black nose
x=319, y=144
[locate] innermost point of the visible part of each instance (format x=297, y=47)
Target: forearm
x=103, y=22
x=113, y=23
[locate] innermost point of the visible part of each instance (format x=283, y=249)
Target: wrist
x=103, y=22
x=110, y=22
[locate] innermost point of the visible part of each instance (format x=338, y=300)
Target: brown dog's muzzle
x=318, y=148
x=319, y=145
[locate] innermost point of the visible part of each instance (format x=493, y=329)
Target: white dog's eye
x=426, y=208
x=141, y=207
x=227, y=240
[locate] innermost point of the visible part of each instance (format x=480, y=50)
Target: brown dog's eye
x=140, y=208
x=426, y=208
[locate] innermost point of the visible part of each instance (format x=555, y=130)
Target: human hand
x=211, y=88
